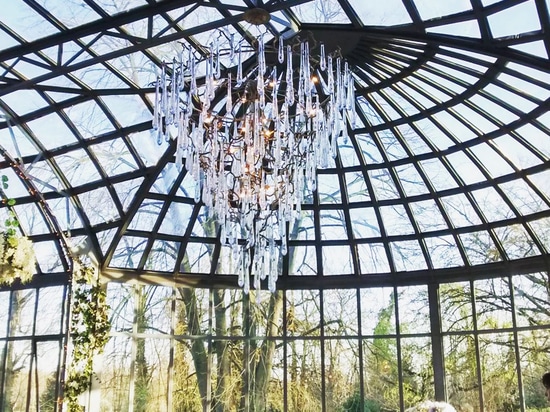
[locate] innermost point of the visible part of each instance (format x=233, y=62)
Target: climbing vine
x=90, y=328
x=17, y=259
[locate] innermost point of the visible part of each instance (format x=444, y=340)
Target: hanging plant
x=17, y=259
x=90, y=328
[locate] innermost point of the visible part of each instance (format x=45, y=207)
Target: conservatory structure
x=274, y=205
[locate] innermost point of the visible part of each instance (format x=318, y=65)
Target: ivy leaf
x=90, y=328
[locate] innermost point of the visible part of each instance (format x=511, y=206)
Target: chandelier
x=252, y=135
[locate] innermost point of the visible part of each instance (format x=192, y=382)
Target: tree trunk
x=198, y=351
x=18, y=301
x=262, y=374
x=222, y=396
x=141, y=385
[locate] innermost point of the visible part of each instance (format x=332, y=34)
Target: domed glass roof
x=446, y=172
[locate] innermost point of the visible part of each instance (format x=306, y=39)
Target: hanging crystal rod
x=254, y=156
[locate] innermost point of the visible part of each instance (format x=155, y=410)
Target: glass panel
x=328, y=189
x=162, y=256
x=51, y=130
x=407, y=255
x=120, y=300
x=4, y=312
x=516, y=152
x=465, y=168
x=531, y=300
x=128, y=252
x=99, y=206
x=114, y=157
x=492, y=205
x=319, y=11
x=333, y=225
x=387, y=13
x=383, y=184
x=51, y=305
x=356, y=187
x=303, y=227
x=266, y=395
x=146, y=216
x=187, y=383
x=540, y=227
x=303, y=316
x=523, y=85
x=429, y=10
x=392, y=145
x=342, y=265
x=340, y=312
x=302, y=261
x=443, y=252
x=533, y=364
x=493, y=303
x=369, y=149
x=304, y=382
x=27, y=22
x=497, y=351
x=516, y=241
x=347, y=154
x=153, y=309
x=414, y=312
x=341, y=365
x=493, y=162
x=364, y=223
x=410, y=180
x=396, y=221
x=17, y=375
x=438, y=175
x=204, y=225
x=377, y=311
x=417, y=366
x=523, y=197
x=461, y=369
x=521, y=18
x=480, y=248
x=464, y=28
x=428, y=216
x=192, y=315
x=516, y=99
x=415, y=141
x=373, y=258
x=228, y=311
x=456, y=307
x=150, y=372
x=78, y=167
x=460, y=211
x=45, y=375
x=22, y=312
x=381, y=360
x=115, y=374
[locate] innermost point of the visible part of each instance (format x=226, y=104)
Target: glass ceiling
x=446, y=172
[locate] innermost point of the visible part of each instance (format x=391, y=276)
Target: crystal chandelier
x=253, y=137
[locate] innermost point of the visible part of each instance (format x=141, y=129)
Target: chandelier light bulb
x=254, y=157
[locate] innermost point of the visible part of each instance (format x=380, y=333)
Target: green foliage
x=17, y=259
x=48, y=400
x=90, y=328
x=353, y=404
x=11, y=222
